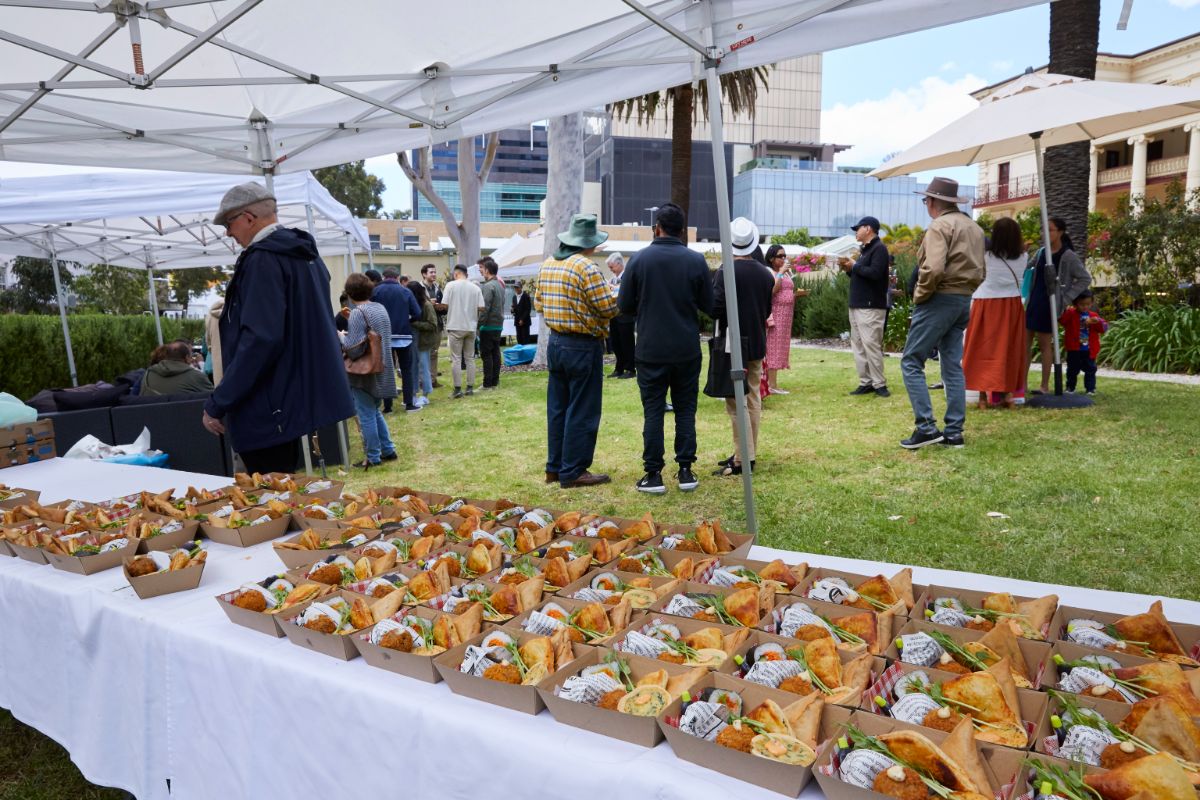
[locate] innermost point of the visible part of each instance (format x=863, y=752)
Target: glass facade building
x=516, y=184
x=825, y=200
x=498, y=202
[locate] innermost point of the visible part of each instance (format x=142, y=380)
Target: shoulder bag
x=370, y=361
x=719, y=383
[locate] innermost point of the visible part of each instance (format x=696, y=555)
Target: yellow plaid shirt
x=573, y=297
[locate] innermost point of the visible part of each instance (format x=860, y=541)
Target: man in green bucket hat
x=576, y=305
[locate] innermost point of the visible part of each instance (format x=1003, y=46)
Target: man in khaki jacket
x=950, y=264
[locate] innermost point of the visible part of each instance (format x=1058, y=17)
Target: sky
x=886, y=95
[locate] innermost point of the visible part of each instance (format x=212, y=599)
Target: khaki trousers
x=462, y=344
x=753, y=410
x=866, y=342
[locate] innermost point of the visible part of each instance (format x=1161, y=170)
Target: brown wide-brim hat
x=943, y=189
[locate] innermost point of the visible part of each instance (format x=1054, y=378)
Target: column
x=1193, y=165
x=1137, y=183
x=1094, y=178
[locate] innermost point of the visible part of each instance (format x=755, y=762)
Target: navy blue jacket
x=401, y=306
x=870, y=277
x=284, y=375
x=665, y=285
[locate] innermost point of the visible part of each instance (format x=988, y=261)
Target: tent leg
x=343, y=445
x=350, y=266
x=734, y=328
x=62, y=313
x=306, y=446
x=154, y=304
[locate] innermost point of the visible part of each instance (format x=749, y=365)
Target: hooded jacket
x=174, y=377
x=283, y=371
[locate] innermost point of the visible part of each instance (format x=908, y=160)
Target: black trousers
x=1081, y=361
x=523, y=334
x=402, y=359
x=654, y=380
x=489, y=351
x=620, y=332
x=276, y=458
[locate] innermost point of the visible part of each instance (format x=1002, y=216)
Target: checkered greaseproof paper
x=705, y=575
x=1051, y=746
x=884, y=685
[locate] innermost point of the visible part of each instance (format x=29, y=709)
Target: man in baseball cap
x=868, y=306
x=283, y=374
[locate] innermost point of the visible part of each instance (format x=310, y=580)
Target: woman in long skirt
x=994, y=356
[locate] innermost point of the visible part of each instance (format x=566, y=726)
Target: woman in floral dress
x=779, y=324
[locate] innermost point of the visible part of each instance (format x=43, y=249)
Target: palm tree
x=739, y=88
x=1074, y=41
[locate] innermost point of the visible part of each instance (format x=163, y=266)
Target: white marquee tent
x=273, y=86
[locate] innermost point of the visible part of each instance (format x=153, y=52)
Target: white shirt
x=264, y=233
x=463, y=300
x=1002, y=277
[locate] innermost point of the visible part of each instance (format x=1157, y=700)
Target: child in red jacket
x=1081, y=338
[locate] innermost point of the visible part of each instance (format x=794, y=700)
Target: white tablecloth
x=151, y=694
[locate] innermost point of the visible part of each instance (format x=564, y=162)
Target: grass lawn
x=35, y=767
x=1103, y=497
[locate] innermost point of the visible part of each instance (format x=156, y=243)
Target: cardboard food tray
x=572, y=605
x=1000, y=765
x=358, y=588
x=1046, y=742
x=408, y=664
x=27, y=496
x=160, y=583
x=1187, y=633
x=757, y=637
x=1073, y=652
x=298, y=559
x=249, y=535
x=742, y=542
x=461, y=549
x=831, y=611
x=5, y=550
x=254, y=620
x=34, y=555
x=688, y=587
x=686, y=626
x=656, y=582
x=787, y=779
x=170, y=541
x=642, y=731
x=621, y=545
x=334, y=645
x=969, y=597
x=854, y=579
x=332, y=493
x=1019, y=788
x=1036, y=654
x=89, y=565
x=1032, y=710
x=526, y=699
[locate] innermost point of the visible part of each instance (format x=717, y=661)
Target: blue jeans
x=425, y=382
x=376, y=440
x=937, y=324
x=574, y=393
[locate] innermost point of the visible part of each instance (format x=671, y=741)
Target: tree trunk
x=564, y=192
x=681, y=148
x=468, y=187
x=1074, y=41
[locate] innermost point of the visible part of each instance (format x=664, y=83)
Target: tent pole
x=153, y=294
x=62, y=310
x=1051, y=276
x=734, y=330
x=351, y=267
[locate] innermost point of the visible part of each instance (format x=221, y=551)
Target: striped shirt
x=573, y=297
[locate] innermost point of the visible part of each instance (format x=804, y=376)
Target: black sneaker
x=687, y=479
x=953, y=440
x=470, y=391
x=389, y=456
x=882, y=391
x=652, y=483
x=866, y=388
x=938, y=385
x=919, y=440
x=457, y=393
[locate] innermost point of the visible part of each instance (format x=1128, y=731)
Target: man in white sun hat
x=754, y=282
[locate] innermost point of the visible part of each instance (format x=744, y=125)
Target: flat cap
x=240, y=196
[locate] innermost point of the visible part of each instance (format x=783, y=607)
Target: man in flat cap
x=283, y=371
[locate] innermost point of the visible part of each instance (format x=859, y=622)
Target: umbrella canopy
x=1062, y=108
x=524, y=250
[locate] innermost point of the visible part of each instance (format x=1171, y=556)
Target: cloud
x=876, y=127
x=1005, y=66
x=949, y=66
x=1184, y=3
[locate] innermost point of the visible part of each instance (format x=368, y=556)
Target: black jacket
x=522, y=309
x=401, y=306
x=283, y=374
x=754, y=283
x=870, y=276
x=664, y=286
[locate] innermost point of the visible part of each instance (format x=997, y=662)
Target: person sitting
x=171, y=372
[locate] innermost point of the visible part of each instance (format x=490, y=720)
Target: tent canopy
x=262, y=86
x=143, y=218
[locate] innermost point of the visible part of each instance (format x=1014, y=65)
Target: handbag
x=1027, y=278
x=370, y=361
x=719, y=383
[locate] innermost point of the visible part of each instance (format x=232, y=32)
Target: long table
x=167, y=698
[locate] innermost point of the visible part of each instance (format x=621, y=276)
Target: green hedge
x=33, y=356
x=1159, y=339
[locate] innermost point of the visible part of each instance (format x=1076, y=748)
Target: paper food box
x=711, y=703
x=557, y=612
x=897, y=693
x=100, y=556
x=678, y=640
x=845, y=775
x=316, y=544
x=25, y=539
x=854, y=628
x=604, y=552
x=737, y=607
x=930, y=645
x=250, y=528
x=337, y=569
x=315, y=487
x=1165, y=640
x=581, y=696
x=982, y=610
x=482, y=561
x=385, y=645
x=1024, y=785
x=12, y=496
x=1062, y=737
x=1123, y=677
x=788, y=665
x=463, y=668
x=603, y=585
x=843, y=588
x=333, y=610
x=164, y=580
x=164, y=533
x=258, y=605
x=689, y=538
x=556, y=573
x=408, y=545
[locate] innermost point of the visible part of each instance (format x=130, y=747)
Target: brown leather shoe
x=586, y=479
x=551, y=477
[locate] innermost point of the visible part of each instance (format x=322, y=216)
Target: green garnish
x=1092, y=719
x=716, y=604
x=1068, y=783
x=797, y=654
x=525, y=566
x=841, y=633
x=1132, y=685
x=511, y=647
x=957, y=651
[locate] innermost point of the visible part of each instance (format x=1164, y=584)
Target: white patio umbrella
x=1050, y=110
x=526, y=250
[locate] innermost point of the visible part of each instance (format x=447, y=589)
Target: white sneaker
x=779, y=391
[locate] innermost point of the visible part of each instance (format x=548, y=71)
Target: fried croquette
x=736, y=738
x=453, y=565
x=611, y=699
x=910, y=788
x=327, y=573
x=142, y=565
x=251, y=601
x=397, y=640
x=934, y=719
x=674, y=658
x=797, y=685
x=382, y=591
x=504, y=673
x=1113, y=756
x=321, y=624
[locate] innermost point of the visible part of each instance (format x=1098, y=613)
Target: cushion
x=93, y=396
x=43, y=401
x=157, y=399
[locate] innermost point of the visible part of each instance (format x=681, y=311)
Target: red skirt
x=995, y=355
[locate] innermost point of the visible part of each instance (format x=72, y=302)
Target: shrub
x=1160, y=339
x=34, y=356
x=827, y=312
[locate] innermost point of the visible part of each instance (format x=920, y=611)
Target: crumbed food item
x=142, y=565
x=736, y=737
x=321, y=624
x=900, y=782
x=810, y=633
x=251, y=601
x=328, y=573
x=504, y=673
x=611, y=699
x=397, y=640
x=463, y=608
x=797, y=684
x=1117, y=754
x=382, y=590
x=672, y=657
x=942, y=719
x=513, y=578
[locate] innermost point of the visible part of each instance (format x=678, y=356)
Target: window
x=1112, y=159
x=374, y=241
x=1154, y=150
